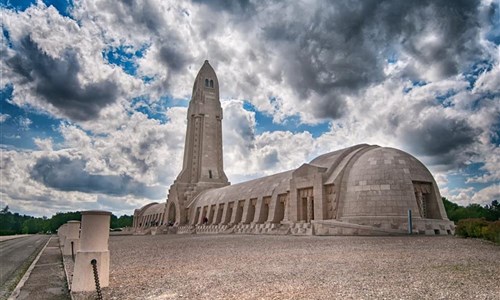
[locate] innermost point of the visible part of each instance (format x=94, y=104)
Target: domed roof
x=381, y=182
x=152, y=208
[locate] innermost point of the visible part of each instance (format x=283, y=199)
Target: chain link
x=96, y=279
x=73, y=251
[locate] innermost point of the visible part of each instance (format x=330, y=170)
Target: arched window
x=206, y=82
x=211, y=83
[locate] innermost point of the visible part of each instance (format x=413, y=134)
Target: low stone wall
x=358, y=226
x=375, y=226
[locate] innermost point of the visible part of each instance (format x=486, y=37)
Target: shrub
x=494, y=232
x=471, y=227
x=479, y=228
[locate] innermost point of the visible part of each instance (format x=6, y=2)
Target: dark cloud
x=233, y=6
x=342, y=46
x=455, y=26
x=441, y=138
x=270, y=160
x=56, y=81
x=331, y=106
x=66, y=174
x=172, y=57
x=144, y=13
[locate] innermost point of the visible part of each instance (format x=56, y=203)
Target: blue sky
x=94, y=93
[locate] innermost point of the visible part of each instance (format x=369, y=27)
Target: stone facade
x=148, y=218
x=363, y=189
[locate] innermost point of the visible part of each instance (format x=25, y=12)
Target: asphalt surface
x=15, y=257
x=47, y=281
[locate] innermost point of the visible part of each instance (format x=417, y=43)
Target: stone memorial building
x=360, y=190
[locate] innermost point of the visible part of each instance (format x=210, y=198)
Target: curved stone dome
x=156, y=208
x=149, y=215
x=386, y=182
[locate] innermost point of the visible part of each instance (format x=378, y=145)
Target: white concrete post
x=93, y=245
x=72, y=236
x=62, y=234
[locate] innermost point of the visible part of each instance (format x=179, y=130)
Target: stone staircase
x=186, y=229
x=211, y=229
x=268, y=228
x=301, y=229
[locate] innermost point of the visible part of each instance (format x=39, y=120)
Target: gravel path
x=288, y=267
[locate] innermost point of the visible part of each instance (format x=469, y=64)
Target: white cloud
x=44, y=144
x=486, y=195
x=24, y=123
x=459, y=196
x=4, y=117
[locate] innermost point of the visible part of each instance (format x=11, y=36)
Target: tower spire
x=202, y=167
x=203, y=162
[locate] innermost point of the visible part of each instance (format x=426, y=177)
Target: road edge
x=26, y=275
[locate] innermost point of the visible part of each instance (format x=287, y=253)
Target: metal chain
x=96, y=278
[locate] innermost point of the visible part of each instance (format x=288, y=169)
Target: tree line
x=14, y=223
x=456, y=212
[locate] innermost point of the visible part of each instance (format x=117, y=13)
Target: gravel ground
x=307, y=267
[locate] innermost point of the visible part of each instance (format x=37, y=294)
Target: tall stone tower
x=203, y=163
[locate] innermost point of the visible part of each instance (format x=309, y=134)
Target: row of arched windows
x=209, y=83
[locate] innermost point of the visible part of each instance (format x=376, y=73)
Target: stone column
x=320, y=199
x=61, y=232
x=93, y=245
x=292, y=206
x=246, y=208
x=286, y=217
x=209, y=214
x=235, y=212
x=72, y=236
x=202, y=216
x=258, y=214
x=216, y=214
x=225, y=216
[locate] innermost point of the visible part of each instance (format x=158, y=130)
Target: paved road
x=47, y=281
x=16, y=256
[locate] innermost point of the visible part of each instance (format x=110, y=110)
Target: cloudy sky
x=94, y=93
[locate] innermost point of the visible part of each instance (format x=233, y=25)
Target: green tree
x=457, y=212
x=4, y=210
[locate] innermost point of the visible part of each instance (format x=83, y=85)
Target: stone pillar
x=320, y=205
x=210, y=214
x=216, y=214
x=235, y=212
x=286, y=217
x=61, y=232
x=202, y=215
x=225, y=216
x=72, y=236
x=258, y=215
x=246, y=208
x=93, y=245
x=292, y=204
